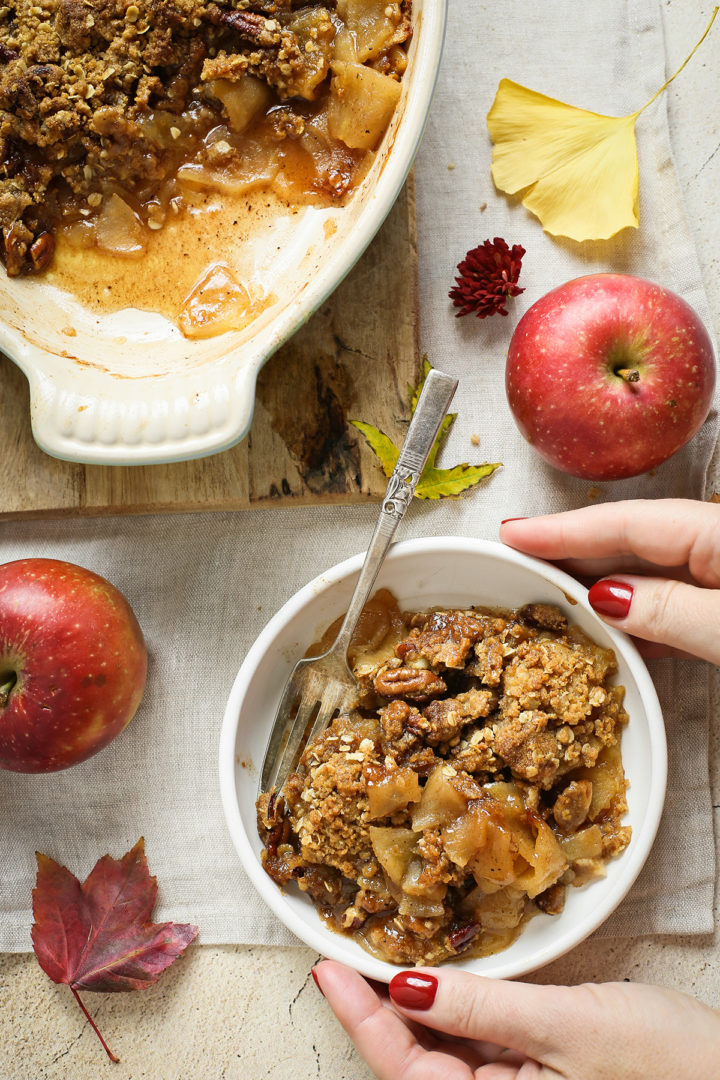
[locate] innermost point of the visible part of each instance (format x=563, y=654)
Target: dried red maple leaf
x=487, y=277
x=97, y=936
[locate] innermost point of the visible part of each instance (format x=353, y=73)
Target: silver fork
x=319, y=687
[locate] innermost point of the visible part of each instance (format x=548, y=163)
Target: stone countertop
x=253, y=1013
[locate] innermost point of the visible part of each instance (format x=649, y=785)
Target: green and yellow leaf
x=384, y=448
x=434, y=483
x=441, y=483
x=414, y=392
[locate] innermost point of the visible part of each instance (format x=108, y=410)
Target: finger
x=671, y=613
x=653, y=650
x=484, y=1052
x=667, y=532
x=499, y=1071
x=475, y=1052
x=508, y=1065
x=471, y=1052
x=521, y=1016
x=379, y=1033
x=474, y=1055
x=589, y=570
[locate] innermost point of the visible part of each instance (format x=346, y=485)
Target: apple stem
x=6, y=687
x=93, y=1025
x=628, y=374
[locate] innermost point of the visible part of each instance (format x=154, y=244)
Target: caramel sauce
x=173, y=261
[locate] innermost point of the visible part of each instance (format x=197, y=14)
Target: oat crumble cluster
x=479, y=777
x=103, y=98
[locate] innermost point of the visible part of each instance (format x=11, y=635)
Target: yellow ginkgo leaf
x=577, y=170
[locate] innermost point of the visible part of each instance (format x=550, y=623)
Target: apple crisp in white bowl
x=446, y=572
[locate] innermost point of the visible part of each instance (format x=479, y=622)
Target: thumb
x=520, y=1016
x=672, y=613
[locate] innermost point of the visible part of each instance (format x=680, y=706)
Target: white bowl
x=456, y=572
x=128, y=389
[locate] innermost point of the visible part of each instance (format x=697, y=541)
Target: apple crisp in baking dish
x=478, y=777
x=111, y=109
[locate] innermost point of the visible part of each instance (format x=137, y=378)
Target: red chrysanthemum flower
x=487, y=276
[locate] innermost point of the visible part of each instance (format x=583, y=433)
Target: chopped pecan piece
x=442, y=720
x=531, y=751
x=393, y=719
x=572, y=805
x=15, y=240
x=445, y=641
x=279, y=834
x=544, y=616
x=552, y=901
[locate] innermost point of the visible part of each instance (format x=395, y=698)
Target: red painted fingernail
x=413, y=990
x=611, y=598
x=317, y=981
x=505, y=520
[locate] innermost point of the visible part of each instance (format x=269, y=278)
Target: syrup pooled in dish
x=479, y=776
x=116, y=117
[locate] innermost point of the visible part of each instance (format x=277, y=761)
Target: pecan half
x=415, y=684
x=42, y=250
x=249, y=25
x=279, y=834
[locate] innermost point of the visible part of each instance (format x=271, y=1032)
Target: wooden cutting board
x=353, y=360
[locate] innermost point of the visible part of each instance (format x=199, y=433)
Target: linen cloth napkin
x=203, y=586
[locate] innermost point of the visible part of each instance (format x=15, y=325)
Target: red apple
x=72, y=664
x=608, y=375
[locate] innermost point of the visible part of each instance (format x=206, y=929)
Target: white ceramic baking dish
x=127, y=388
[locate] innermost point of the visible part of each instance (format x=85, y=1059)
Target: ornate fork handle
x=401, y=486
x=437, y=393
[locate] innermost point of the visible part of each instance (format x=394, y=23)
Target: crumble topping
x=465, y=793
x=103, y=101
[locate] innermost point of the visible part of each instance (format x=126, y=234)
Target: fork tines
x=312, y=702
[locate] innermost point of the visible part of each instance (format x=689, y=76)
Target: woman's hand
x=663, y=558
x=443, y=1024
x=664, y=588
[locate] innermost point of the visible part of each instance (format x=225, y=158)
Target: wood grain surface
x=353, y=360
